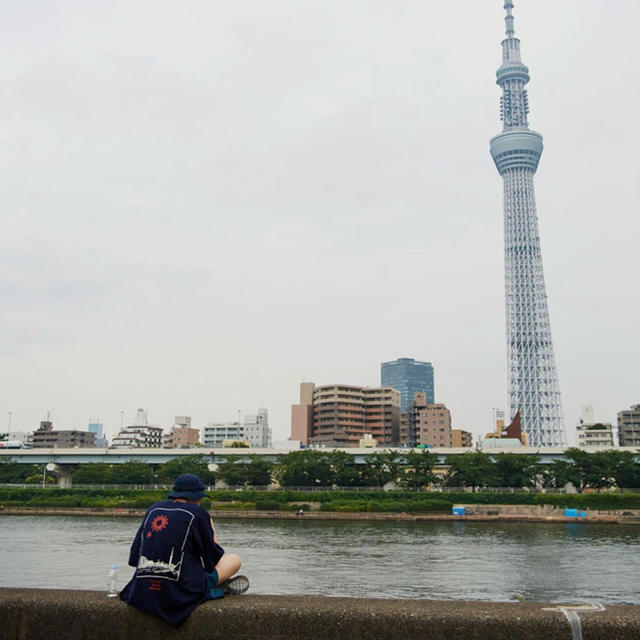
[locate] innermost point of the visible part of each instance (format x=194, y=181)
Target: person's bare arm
x=215, y=535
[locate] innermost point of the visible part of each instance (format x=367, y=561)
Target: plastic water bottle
x=112, y=590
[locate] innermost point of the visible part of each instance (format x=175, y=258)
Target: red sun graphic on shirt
x=158, y=524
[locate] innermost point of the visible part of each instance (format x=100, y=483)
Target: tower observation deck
x=532, y=379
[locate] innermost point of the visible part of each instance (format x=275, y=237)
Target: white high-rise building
x=257, y=430
x=590, y=433
x=141, y=418
x=254, y=429
x=533, y=382
x=215, y=434
x=182, y=421
x=138, y=435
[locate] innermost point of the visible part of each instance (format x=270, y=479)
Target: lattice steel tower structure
x=533, y=381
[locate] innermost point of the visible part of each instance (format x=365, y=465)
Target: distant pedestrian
x=179, y=563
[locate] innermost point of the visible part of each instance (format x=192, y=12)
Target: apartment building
x=139, y=435
x=340, y=415
x=432, y=422
x=182, y=435
x=215, y=434
x=629, y=427
x=48, y=438
x=426, y=423
x=461, y=438
x=594, y=435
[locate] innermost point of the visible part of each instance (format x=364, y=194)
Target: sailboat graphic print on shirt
x=163, y=537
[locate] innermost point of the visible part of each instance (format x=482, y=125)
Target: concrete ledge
x=32, y=614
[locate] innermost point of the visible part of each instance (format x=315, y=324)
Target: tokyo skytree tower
x=533, y=382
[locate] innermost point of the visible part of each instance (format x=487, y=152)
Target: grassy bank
x=391, y=502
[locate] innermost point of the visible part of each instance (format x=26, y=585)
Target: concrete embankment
x=474, y=513
x=33, y=614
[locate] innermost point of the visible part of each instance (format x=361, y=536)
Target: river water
x=437, y=560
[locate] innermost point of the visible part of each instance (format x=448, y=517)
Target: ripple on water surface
x=442, y=560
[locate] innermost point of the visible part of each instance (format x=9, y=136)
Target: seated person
x=179, y=563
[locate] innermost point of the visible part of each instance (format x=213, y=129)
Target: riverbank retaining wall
x=477, y=513
x=32, y=614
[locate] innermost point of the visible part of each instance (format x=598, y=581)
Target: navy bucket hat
x=188, y=486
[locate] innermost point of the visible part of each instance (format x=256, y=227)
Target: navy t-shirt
x=172, y=550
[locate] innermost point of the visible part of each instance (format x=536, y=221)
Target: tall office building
x=533, y=382
x=408, y=376
x=97, y=428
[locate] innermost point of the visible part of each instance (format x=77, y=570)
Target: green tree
x=307, y=468
x=472, y=469
x=251, y=470
x=259, y=471
x=133, y=472
x=232, y=472
x=94, y=473
x=380, y=468
x=597, y=470
x=16, y=473
x=608, y=468
x=194, y=463
x=626, y=471
x=601, y=469
x=419, y=468
x=36, y=478
x=344, y=469
x=515, y=470
x=559, y=473
x=591, y=469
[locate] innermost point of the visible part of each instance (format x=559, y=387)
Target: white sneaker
x=235, y=585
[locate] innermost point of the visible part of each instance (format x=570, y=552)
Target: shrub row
x=397, y=501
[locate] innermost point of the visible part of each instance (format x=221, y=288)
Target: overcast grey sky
x=204, y=203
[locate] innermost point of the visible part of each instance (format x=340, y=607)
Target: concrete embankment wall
x=32, y=614
x=477, y=513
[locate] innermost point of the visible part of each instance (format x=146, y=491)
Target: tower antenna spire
x=533, y=388
x=508, y=5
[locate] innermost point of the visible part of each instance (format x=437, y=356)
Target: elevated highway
x=63, y=461
x=160, y=456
